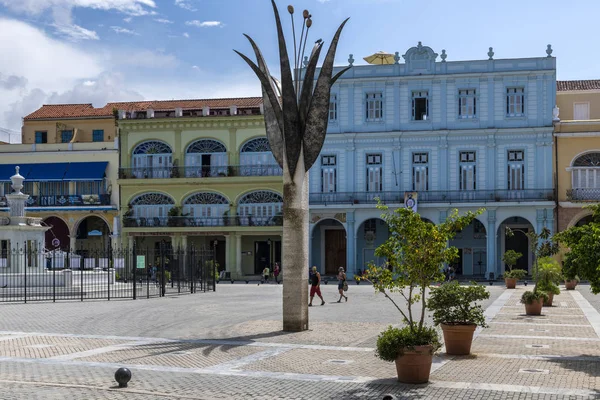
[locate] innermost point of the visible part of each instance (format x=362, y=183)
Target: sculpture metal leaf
x=296, y=125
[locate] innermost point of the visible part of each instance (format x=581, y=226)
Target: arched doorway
x=472, y=250
x=57, y=237
x=152, y=159
x=256, y=158
x=93, y=233
x=328, y=246
x=206, y=157
x=585, y=220
x=371, y=234
x=517, y=241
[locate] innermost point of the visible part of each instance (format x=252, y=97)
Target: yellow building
x=577, y=147
x=69, y=158
x=200, y=173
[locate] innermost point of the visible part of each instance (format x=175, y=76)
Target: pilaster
x=350, y=245
x=491, y=245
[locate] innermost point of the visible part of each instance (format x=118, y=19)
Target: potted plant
x=175, y=215
x=571, y=281
x=533, y=301
x=511, y=277
x=456, y=311
x=547, y=278
x=415, y=252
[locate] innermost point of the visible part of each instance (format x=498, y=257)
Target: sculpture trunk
x=295, y=248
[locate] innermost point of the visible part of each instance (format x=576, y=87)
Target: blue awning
x=78, y=171
x=86, y=171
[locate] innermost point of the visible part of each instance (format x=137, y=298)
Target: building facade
x=198, y=173
x=577, y=139
x=69, y=158
x=449, y=135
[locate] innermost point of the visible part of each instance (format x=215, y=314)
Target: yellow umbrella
x=381, y=57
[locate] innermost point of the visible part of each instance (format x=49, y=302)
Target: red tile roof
x=50, y=111
x=563, y=86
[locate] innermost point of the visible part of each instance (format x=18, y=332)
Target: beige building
x=69, y=158
x=577, y=150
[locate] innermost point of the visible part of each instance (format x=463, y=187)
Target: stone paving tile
x=185, y=355
x=323, y=362
x=561, y=373
x=50, y=346
x=483, y=345
x=529, y=330
x=506, y=316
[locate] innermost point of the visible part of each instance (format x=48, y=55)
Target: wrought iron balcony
x=583, y=194
x=79, y=200
x=441, y=196
x=201, y=222
x=200, y=171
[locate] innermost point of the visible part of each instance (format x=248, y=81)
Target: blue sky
x=81, y=51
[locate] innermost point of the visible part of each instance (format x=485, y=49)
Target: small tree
x=510, y=258
x=416, y=251
x=583, y=256
x=541, y=245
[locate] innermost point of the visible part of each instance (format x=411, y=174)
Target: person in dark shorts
x=315, y=286
x=341, y=283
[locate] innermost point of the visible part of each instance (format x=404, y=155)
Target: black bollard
x=122, y=376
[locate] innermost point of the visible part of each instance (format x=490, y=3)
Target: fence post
x=134, y=266
x=191, y=263
x=108, y=272
x=81, y=263
x=53, y=266
x=162, y=267
x=24, y=258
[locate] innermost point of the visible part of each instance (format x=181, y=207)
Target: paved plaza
x=229, y=345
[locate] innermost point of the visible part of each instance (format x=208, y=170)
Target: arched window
x=256, y=158
x=152, y=209
x=205, y=209
x=259, y=208
x=585, y=173
x=152, y=159
x=206, y=157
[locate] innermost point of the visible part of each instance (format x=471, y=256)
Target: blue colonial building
x=449, y=134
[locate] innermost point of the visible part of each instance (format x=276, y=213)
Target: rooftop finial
x=17, y=181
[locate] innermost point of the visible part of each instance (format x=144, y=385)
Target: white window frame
x=374, y=172
x=420, y=94
x=420, y=170
x=515, y=101
x=374, y=106
x=467, y=168
x=333, y=108
x=329, y=173
x=587, y=111
x=515, y=180
x=467, y=103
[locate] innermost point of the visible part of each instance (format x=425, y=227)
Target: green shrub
x=530, y=297
x=516, y=274
x=392, y=342
x=548, y=275
x=511, y=257
x=453, y=304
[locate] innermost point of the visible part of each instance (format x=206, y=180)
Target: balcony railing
x=442, y=196
x=583, y=194
x=82, y=200
x=194, y=222
x=200, y=172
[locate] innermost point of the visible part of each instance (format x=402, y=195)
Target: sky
x=98, y=51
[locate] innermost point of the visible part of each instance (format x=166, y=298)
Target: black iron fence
x=206, y=171
x=441, y=196
x=583, y=194
x=29, y=274
x=189, y=221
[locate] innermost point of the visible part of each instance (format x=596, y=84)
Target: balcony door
x=206, y=158
x=152, y=159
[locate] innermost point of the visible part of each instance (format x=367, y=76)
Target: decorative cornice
x=193, y=123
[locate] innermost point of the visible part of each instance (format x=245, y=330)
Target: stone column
x=238, y=255
x=491, y=245
x=350, y=245
x=227, y=253
x=72, y=243
x=185, y=268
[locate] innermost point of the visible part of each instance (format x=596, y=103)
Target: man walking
x=315, y=286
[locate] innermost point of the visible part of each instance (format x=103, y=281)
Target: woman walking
x=342, y=285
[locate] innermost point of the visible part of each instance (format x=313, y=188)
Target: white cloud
x=89, y=83
x=196, y=67
x=163, y=21
x=185, y=4
x=126, y=31
x=37, y=7
x=186, y=35
x=11, y=82
x=128, y=19
x=75, y=32
x=143, y=58
x=205, y=24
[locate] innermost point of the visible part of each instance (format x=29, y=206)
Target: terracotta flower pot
x=570, y=285
x=511, y=283
x=549, y=302
x=534, y=308
x=458, y=339
x=414, y=366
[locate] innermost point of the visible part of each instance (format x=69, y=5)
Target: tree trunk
x=295, y=249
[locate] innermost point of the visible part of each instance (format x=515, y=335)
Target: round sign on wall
x=55, y=242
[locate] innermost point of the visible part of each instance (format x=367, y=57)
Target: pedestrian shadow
x=379, y=388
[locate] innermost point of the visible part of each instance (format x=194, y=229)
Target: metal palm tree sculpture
x=296, y=116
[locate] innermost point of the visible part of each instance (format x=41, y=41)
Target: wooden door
x=335, y=250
